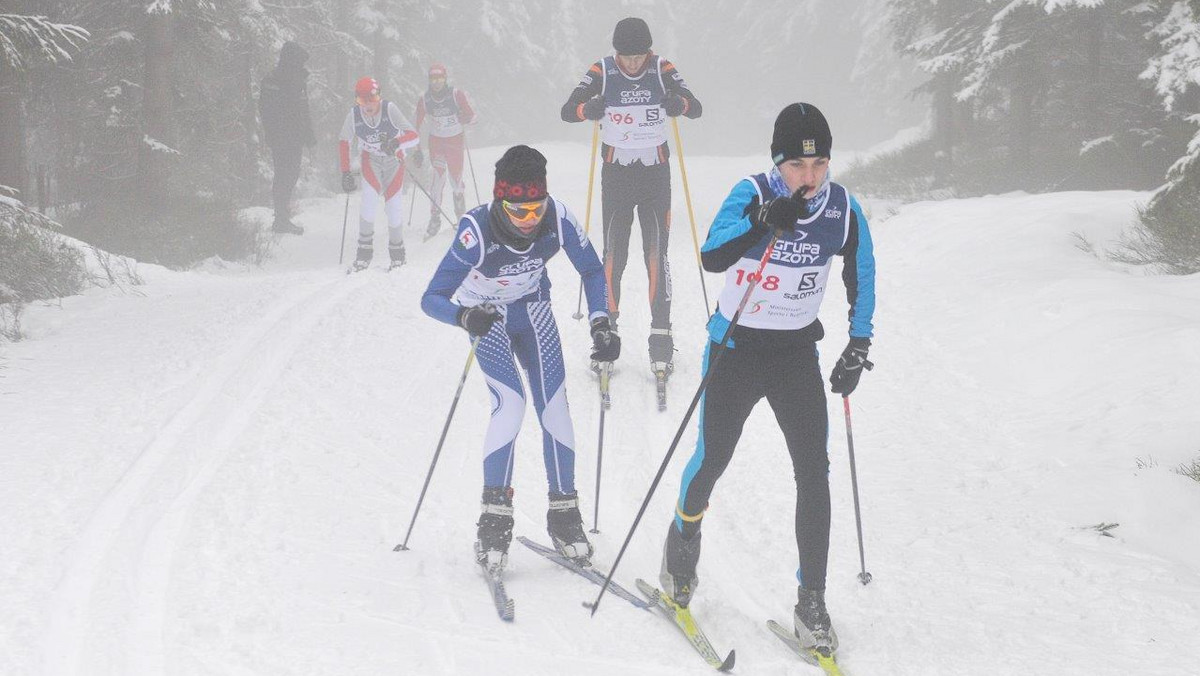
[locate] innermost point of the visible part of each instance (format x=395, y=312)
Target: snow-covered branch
x=24, y=39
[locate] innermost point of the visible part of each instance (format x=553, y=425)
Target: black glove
x=674, y=105
x=478, y=320
x=390, y=145
x=779, y=214
x=417, y=157
x=850, y=366
x=606, y=344
x=348, y=183
x=593, y=109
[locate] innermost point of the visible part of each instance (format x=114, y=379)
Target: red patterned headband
x=523, y=191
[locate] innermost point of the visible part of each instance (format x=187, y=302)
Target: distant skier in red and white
x=383, y=134
x=449, y=110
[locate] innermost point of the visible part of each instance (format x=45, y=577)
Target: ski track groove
x=70, y=606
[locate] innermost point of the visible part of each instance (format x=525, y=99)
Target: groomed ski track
x=207, y=475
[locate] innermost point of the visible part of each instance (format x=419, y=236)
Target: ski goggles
x=526, y=213
x=364, y=99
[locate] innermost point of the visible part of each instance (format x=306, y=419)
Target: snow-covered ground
x=208, y=476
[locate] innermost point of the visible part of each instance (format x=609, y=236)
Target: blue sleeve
x=464, y=254
x=858, y=273
x=731, y=233
x=583, y=256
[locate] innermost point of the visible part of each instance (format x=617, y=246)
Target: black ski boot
x=495, y=527
x=460, y=205
x=362, y=260
x=612, y=325
x=662, y=352
x=396, y=252
x=813, y=626
x=680, y=556
x=435, y=224
x=565, y=526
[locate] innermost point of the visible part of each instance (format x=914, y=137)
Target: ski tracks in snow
x=198, y=437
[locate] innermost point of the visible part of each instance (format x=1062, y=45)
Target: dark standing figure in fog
x=449, y=110
x=772, y=353
x=283, y=105
x=382, y=134
x=631, y=94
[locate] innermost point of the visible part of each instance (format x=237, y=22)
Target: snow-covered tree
x=26, y=40
x=1037, y=94
x=1169, y=237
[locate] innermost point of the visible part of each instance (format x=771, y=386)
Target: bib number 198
x=769, y=283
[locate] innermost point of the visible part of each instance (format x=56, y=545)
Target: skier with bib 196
x=449, y=111
x=493, y=282
x=631, y=94
x=772, y=352
x=383, y=134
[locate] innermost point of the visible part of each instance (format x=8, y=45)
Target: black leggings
x=287, y=172
x=646, y=191
x=781, y=366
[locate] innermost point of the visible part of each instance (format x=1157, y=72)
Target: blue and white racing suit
x=479, y=269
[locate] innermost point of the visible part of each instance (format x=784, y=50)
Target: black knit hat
x=632, y=36
x=800, y=131
x=520, y=175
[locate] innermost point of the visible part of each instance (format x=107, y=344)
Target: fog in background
x=744, y=61
x=135, y=123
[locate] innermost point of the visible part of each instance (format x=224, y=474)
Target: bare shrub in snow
x=196, y=228
x=35, y=263
x=1168, y=236
x=1190, y=470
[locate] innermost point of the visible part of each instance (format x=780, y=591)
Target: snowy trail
x=225, y=498
x=211, y=406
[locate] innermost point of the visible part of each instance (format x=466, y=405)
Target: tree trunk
x=944, y=129
x=156, y=108
x=1020, y=131
x=379, y=60
x=248, y=186
x=341, y=69
x=12, y=133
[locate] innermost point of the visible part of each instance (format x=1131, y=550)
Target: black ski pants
x=781, y=366
x=645, y=190
x=287, y=171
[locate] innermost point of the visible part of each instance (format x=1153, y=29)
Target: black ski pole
x=417, y=183
x=345, y=216
x=605, y=370
x=712, y=367
x=863, y=577
x=412, y=204
x=471, y=163
x=403, y=546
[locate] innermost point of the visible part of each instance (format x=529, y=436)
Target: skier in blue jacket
x=772, y=352
x=493, y=283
